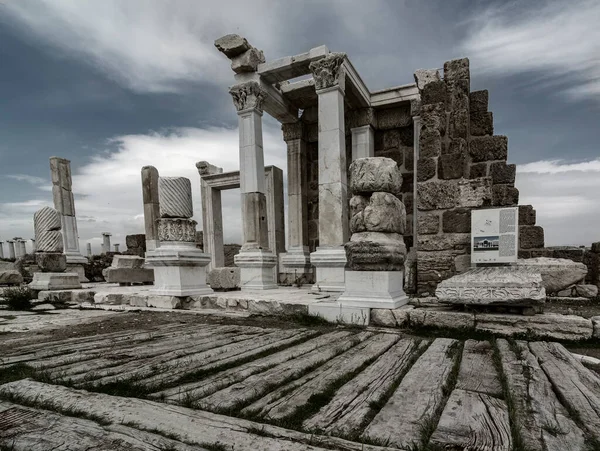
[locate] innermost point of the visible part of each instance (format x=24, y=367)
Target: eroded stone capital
x=248, y=96
x=328, y=71
x=293, y=130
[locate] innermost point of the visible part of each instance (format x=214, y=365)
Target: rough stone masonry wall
x=462, y=166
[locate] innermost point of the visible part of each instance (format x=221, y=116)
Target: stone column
x=117, y=247
x=22, y=248
x=296, y=262
x=33, y=248
x=89, y=250
x=1, y=249
x=330, y=258
x=106, y=242
x=256, y=260
x=64, y=203
x=363, y=134
x=151, y=206
x=11, y=250
x=212, y=216
x=179, y=267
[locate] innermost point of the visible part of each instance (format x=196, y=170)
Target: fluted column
x=255, y=258
x=330, y=258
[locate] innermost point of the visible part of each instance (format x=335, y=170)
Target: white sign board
x=495, y=235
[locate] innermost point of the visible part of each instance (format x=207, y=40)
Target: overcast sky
x=115, y=85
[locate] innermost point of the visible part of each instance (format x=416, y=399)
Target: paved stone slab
x=477, y=372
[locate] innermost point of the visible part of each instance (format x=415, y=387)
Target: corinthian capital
x=328, y=71
x=247, y=96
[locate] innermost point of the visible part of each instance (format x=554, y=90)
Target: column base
x=296, y=268
x=178, y=270
x=374, y=289
x=256, y=269
x=330, y=264
x=44, y=281
x=75, y=264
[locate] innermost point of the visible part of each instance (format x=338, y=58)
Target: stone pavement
x=241, y=387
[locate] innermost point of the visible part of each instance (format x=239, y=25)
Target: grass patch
x=22, y=371
x=18, y=298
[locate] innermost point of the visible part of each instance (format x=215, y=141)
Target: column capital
x=415, y=107
x=248, y=96
x=293, y=130
x=329, y=72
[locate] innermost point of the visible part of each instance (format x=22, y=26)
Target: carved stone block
x=368, y=175
x=177, y=229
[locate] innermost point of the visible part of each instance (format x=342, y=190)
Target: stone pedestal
x=296, y=267
x=256, y=269
x=44, y=281
x=329, y=263
x=179, y=270
x=374, y=289
x=128, y=269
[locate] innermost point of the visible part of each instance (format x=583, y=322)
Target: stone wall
x=462, y=166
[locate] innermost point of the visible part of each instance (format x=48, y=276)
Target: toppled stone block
x=493, y=286
x=127, y=261
x=45, y=281
x=10, y=277
x=586, y=291
x=224, y=279
x=51, y=262
x=232, y=45
x=369, y=175
x=357, y=220
x=372, y=251
x=557, y=274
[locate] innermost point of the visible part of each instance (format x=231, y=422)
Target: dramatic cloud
x=565, y=197
x=27, y=178
x=559, y=41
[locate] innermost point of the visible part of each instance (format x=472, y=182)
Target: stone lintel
x=290, y=66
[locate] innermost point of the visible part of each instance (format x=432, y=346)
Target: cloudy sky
x=115, y=85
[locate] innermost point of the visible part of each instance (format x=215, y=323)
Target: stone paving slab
x=303, y=389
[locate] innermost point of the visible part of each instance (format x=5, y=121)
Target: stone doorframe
x=212, y=181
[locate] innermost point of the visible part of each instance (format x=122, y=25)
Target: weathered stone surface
x=494, y=285
x=433, y=267
x=433, y=118
x=382, y=317
x=372, y=251
x=177, y=229
x=49, y=241
x=457, y=220
x=596, y=247
x=478, y=170
x=10, y=277
x=175, y=195
x=428, y=224
x=571, y=253
x=441, y=317
x=444, y=194
x=503, y=173
x=425, y=169
x=433, y=92
x=232, y=45
x=452, y=166
x=478, y=101
x=224, y=279
x=46, y=219
x=526, y=215
x=385, y=213
x=489, y=148
x=462, y=263
x=128, y=275
x=549, y=325
x=505, y=196
x=127, y=261
x=531, y=237
x=389, y=118
x=51, y=262
x=444, y=242
x=357, y=220
x=368, y=175
x=456, y=146
x=247, y=61
x=430, y=143
x=482, y=123
x=410, y=272
x=459, y=123
x=586, y=291
x=402, y=315
x=44, y=281
x=557, y=274
x=426, y=76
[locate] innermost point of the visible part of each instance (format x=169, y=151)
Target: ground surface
x=172, y=381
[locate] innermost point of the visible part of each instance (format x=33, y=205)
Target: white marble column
x=1, y=249
x=330, y=257
x=363, y=134
x=33, y=246
x=116, y=247
x=151, y=206
x=106, y=242
x=89, y=249
x=296, y=261
x=255, y=259
x=212, y=216
x=11, y=250
x=22, y=248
